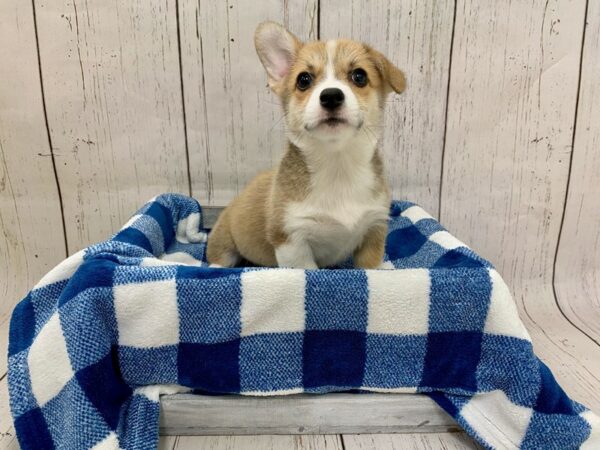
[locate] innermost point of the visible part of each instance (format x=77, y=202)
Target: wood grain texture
x=259, y=443
x=511, y=112
x=113, y=95
x=234, y=122
x=577, y=276
x=416, y=36
x=431, y=441
x=186, y=414
x=31, y=232
x=7, y=430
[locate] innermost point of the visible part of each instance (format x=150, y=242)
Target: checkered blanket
x=107, y=331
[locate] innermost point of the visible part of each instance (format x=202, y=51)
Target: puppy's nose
x=331, y=98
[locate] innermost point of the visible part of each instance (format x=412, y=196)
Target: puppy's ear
x=277, y=49
x=392, y=76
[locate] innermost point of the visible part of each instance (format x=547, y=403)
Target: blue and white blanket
x=107, y=331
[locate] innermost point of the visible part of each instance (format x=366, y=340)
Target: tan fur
x=252, y=226
x=370, y=253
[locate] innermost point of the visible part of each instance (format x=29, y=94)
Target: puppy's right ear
x=277, y=49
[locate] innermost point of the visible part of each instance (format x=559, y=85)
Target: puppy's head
x=331, y=91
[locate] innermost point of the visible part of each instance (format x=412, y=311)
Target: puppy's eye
x=304, y=81
x=359, y=77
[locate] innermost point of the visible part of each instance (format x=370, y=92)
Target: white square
x=416, y=213
x=147, y=313
x=500, y=422
x=110, y=442
x=446, y=240
x=49, y=364
x=399, y=301
x=273, y=301
x=503, y=317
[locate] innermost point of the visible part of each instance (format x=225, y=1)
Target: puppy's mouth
x=329, y=123
x=333, y=122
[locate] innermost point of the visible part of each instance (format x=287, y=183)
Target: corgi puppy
x=328, y=198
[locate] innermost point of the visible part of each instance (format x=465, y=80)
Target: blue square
x=508, y=358
x=44, y=302
x=451, y=362
x=142, y=366
x=551, y=398
x=555, y=431
x=404, y=242
x=333, y=359
x=209, y=308
x=270, y=362
x=89, y=326
x=22, y=327
x=459, y=258
x=104, y=387
x=459, y=299
x=151, y=229
x=211, y=367
x=94, y=272
x=32, y=430
x=21, y=395
x=70, y=412
x=394, y=361
x=162, y=216
x=336, y=300
x=134, y=237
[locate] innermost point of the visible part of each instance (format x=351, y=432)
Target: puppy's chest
x=334, y=221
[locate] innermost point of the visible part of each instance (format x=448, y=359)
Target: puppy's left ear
x=277, y=49
x=392, y=76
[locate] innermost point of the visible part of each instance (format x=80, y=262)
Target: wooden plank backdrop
x=103, y=106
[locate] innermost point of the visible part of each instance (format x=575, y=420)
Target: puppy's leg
x=369, y=255
x=221, y=250
x=296, y=253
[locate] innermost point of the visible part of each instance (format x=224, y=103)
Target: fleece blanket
x=107, y=331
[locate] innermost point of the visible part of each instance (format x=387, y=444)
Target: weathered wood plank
x=416, y=36
x=430, y=441
x=577, y=267
x=185, y=414
x=31, y=232
x=234, y=122
x=510, y=121
x=259, y=442
x=167, y=442
x=7, y=430
x=113, y=95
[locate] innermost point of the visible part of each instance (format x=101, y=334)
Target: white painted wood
x=234, y=122
x=31, y=233
x=7, y=430
x=301, y=414
x=578, y=262
x=113, y=96
x=511, y=113
x=431, y=441
x=259, y=443
x=416, y=36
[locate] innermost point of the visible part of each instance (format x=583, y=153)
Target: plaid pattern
x=93, y=337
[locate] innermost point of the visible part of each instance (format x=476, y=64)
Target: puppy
x=328, y=198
